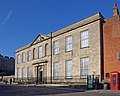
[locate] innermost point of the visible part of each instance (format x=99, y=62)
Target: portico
x=41, y=71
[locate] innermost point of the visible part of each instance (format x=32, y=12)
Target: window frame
x=23, y=57
x=82, y=64
x=18, y=73
x=84, y=39
x=56, y=46
x=55, y=71
x=34, y=53
x=18, y=59
x=68, y=43
x=29, y=72
x=40, y=53
x=67, y=69
x=29, y=55
x=23, y=72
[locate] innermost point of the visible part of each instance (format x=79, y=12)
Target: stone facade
x=45, y=63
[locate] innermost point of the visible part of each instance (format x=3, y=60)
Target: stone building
x=67, y=55
x=7, y=64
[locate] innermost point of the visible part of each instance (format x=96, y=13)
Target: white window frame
x=84, y=39
x=84, y=67
x=68, y=43
x=18, y=73
x=29, y=72
x=29, y=55
x=56, y=47
x=55, y=70
x=23, y=72
x=68, y=68
x=18, y=58
x=39, y=51
x=23, y=57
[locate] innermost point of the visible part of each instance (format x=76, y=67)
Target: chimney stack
x=115, y=10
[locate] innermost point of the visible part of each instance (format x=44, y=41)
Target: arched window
x=46, y=49
x=29, y=55
x=34, y=53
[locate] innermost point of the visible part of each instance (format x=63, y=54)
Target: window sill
x=68, y=51
x=55, y=78
x=83, y=77
x=68, y=78
x=84, y=47
x=56, y=54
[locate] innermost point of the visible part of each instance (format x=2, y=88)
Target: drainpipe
x=51, y=58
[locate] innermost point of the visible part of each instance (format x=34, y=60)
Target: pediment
x=39, y=38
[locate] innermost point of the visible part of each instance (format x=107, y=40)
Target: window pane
x=55, y=70
x=84, y=39
x=68, y=43
x=23, y=57
x=18, y=58
x=84, y=66
x=56, y=47
x=23, y=72
x=40, y=51
x=29, y=55
x=28, y=72
x=18, y=72
x=68, y=68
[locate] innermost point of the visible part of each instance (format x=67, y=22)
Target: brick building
x=111, y=39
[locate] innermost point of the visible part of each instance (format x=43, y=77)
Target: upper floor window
x=40, y=51
x=68, y=69
x=29, y=55
x=68, y=41
x=56, y=47
x=84, y=67
x=18, y=58
x=84, y=39
x=46, y=47
x=118, y=55
x=23, y=57
x=34, y=53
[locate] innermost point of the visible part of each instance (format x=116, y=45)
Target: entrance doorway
x=40, y=74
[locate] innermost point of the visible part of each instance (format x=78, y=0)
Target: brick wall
x=111, y=39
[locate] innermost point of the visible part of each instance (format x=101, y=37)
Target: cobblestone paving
x=15, y=90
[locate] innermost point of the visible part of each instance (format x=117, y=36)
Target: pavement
x=50, y=90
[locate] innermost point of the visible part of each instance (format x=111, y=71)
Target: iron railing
x=59, y=79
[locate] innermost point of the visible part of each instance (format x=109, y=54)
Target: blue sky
x=22, y=20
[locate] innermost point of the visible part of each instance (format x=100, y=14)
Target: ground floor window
x=55, y=70
x=68, y=68
x=28, y=72
x=23, y=73
x=84, y=66
x=18, y=72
